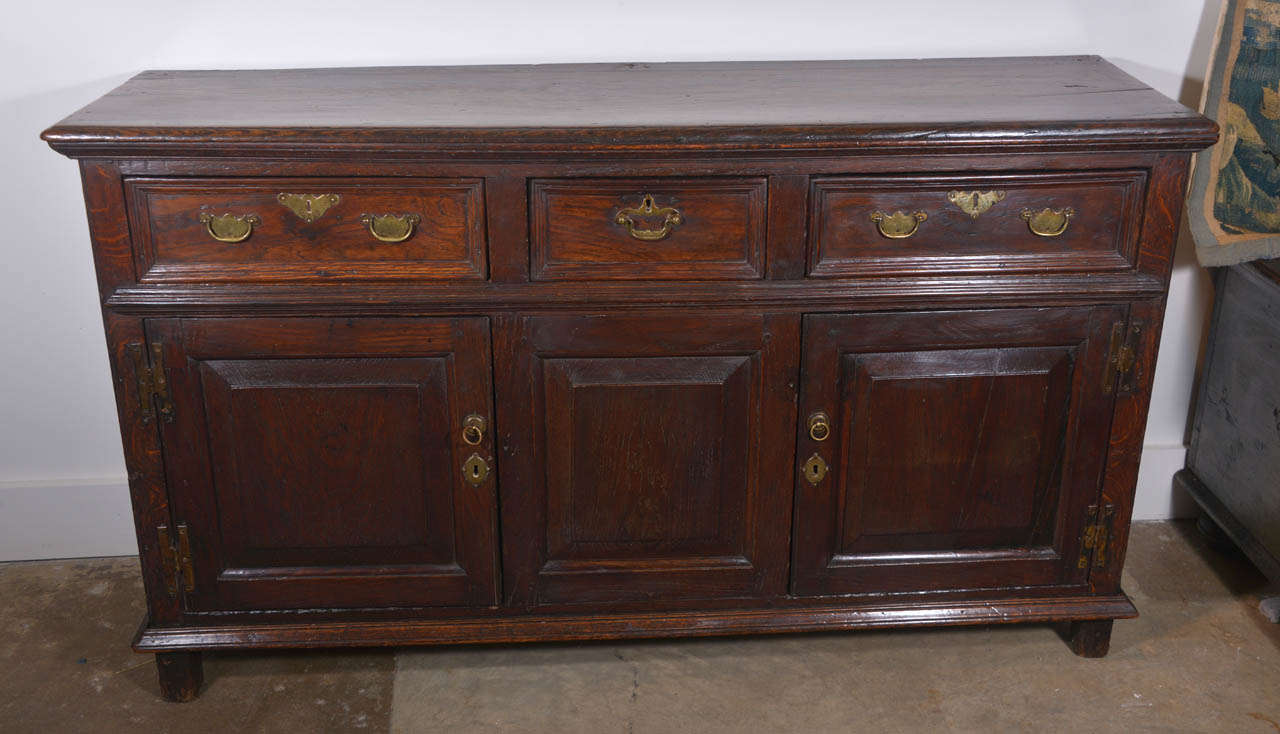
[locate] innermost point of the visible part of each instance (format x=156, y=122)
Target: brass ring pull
x=899, y=225
x=390, y=227
x=473, y=429
x=648, y=210
x=229, y=227
x=1048, y=222
x=819, y=426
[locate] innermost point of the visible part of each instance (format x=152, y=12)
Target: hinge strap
x=184, y=559
x=153, y=382
x=1096, y=536
x=1122, y=371
x=168, y=559
x=175, y=559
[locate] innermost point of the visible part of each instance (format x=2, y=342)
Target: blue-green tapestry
x=1235, y=193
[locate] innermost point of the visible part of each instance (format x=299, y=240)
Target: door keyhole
x=475, y=470
x=815, y=469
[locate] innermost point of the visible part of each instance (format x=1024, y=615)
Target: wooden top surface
x=1073, y=100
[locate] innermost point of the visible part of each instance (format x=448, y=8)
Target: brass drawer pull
x=899, y=225
x=390, y=227
x=648, y=210
x=819, y=426
x=1048, y=222
x=229, y=227
x=473, y=429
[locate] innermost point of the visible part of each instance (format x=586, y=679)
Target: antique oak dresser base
x=511, y=354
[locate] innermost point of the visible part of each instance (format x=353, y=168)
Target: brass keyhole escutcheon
x=473, y=429
x=815, y=469
x=475, y=470
x=819, y=426
x=974, y=203
x=308, y=207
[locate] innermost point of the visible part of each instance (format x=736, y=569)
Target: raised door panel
x=648, y=461
x=319, y=462
x=963, y=449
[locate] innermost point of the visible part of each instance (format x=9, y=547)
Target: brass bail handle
x=390, y=227
x=229, y=227
x=898, y=225
x=1048, y=222
x=649, y=210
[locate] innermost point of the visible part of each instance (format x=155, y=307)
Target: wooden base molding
x=631, y=625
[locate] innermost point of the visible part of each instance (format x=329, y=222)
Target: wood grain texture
x=878, y=294
x=720, y=232
x=849, y=615
x=181, y=675
x=638, y=463
x=506, y=205
x=1090, y=638
x=788, y=194
x=315, y=478
x=1065, y=102
x=109, y=235
x=965, y=447
x=1100, y=236
x=174, y=246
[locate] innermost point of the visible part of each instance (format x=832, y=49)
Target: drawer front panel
x=308, y=229
x=644, y=228
x=893, y=225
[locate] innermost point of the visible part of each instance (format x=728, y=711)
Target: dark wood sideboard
x=495, y=354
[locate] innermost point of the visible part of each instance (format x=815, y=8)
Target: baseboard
x=1156, y=498
x=76, y=519
x=65, y=519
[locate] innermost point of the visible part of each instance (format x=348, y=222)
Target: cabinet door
x=319, y=462
x=648, y=456
x=962, y=449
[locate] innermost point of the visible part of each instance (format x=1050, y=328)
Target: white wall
x=62, y=489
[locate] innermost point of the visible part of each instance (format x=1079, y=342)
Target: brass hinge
x=175, y=557
x=153, y=383
x=1122, y=360
x=1096, y=536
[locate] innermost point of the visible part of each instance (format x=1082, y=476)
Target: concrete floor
x=1200, y=659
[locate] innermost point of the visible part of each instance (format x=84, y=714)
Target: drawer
x=282, y=229
x=647, y=228
x=912, y=224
